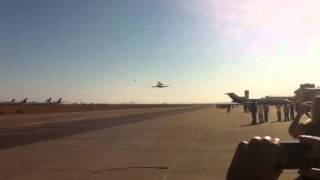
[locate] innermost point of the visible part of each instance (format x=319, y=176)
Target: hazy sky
x=93, y=50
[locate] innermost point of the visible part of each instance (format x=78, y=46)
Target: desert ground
x=12, y=109
x=194, y=142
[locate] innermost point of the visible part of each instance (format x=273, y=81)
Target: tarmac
x=181, y=143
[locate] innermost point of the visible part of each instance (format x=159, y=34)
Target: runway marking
x=33, y=123
x=133, y=167
x=52, y=122
x=183, y=155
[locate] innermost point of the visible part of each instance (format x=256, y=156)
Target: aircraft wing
x=268, y=101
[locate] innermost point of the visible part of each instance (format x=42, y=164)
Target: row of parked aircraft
x=25, y=101
x=59, y=101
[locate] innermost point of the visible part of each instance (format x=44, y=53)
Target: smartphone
x=292, y=156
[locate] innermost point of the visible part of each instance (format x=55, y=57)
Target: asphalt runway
x=180, y=143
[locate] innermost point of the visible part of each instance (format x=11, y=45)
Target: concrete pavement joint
x=132, y=167
x=171, y=170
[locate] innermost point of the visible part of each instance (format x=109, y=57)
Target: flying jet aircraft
x=160, y=85
x=266, y=100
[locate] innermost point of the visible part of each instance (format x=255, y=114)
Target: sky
x=114, y=51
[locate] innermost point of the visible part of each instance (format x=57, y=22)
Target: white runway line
x=52, y=122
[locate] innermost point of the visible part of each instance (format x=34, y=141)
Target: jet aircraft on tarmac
x=160, y=85
x=266, y=100
x=48, y=102
x=13, y=102
x=25, y=101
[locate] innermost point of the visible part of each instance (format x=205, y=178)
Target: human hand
x=303, y=108
x=296, y=128
x=255, y=160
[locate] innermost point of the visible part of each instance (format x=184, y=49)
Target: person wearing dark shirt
x=286, y=112
x=266, y=112
x=278, y=108
x=253, y=110
x=291, y=111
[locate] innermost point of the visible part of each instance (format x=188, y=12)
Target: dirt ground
x=59, y=108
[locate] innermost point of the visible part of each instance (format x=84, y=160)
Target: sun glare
x=268, y=27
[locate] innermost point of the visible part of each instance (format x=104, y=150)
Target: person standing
x=266, y=112
x=278, y=108
x=228, y=108
x=260, y=112
x=253, y=110
x=292, y=111
x=286, y=112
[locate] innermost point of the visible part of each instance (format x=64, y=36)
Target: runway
x=179, y=143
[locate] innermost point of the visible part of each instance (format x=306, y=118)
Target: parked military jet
x=13, y=102
x=266, y=100
x=25, y=100
x=59, y=101
x=160, y=85
x=48, y=102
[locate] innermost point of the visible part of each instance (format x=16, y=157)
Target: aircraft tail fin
x=24, y=101
x=59, y=101
x=235, y=98
x=49, y=100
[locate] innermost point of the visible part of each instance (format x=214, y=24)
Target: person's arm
x=296, y=128
x=255, y=160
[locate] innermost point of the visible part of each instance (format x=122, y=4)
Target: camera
x=292, y=156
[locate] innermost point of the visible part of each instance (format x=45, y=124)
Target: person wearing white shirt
x=260, y=112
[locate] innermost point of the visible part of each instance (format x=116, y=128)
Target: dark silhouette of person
x=292, y=107
x=228, y=108
x=253, y=110
x=278, y=108
x=260, y=112
x=286, y=112
x=266, y=112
